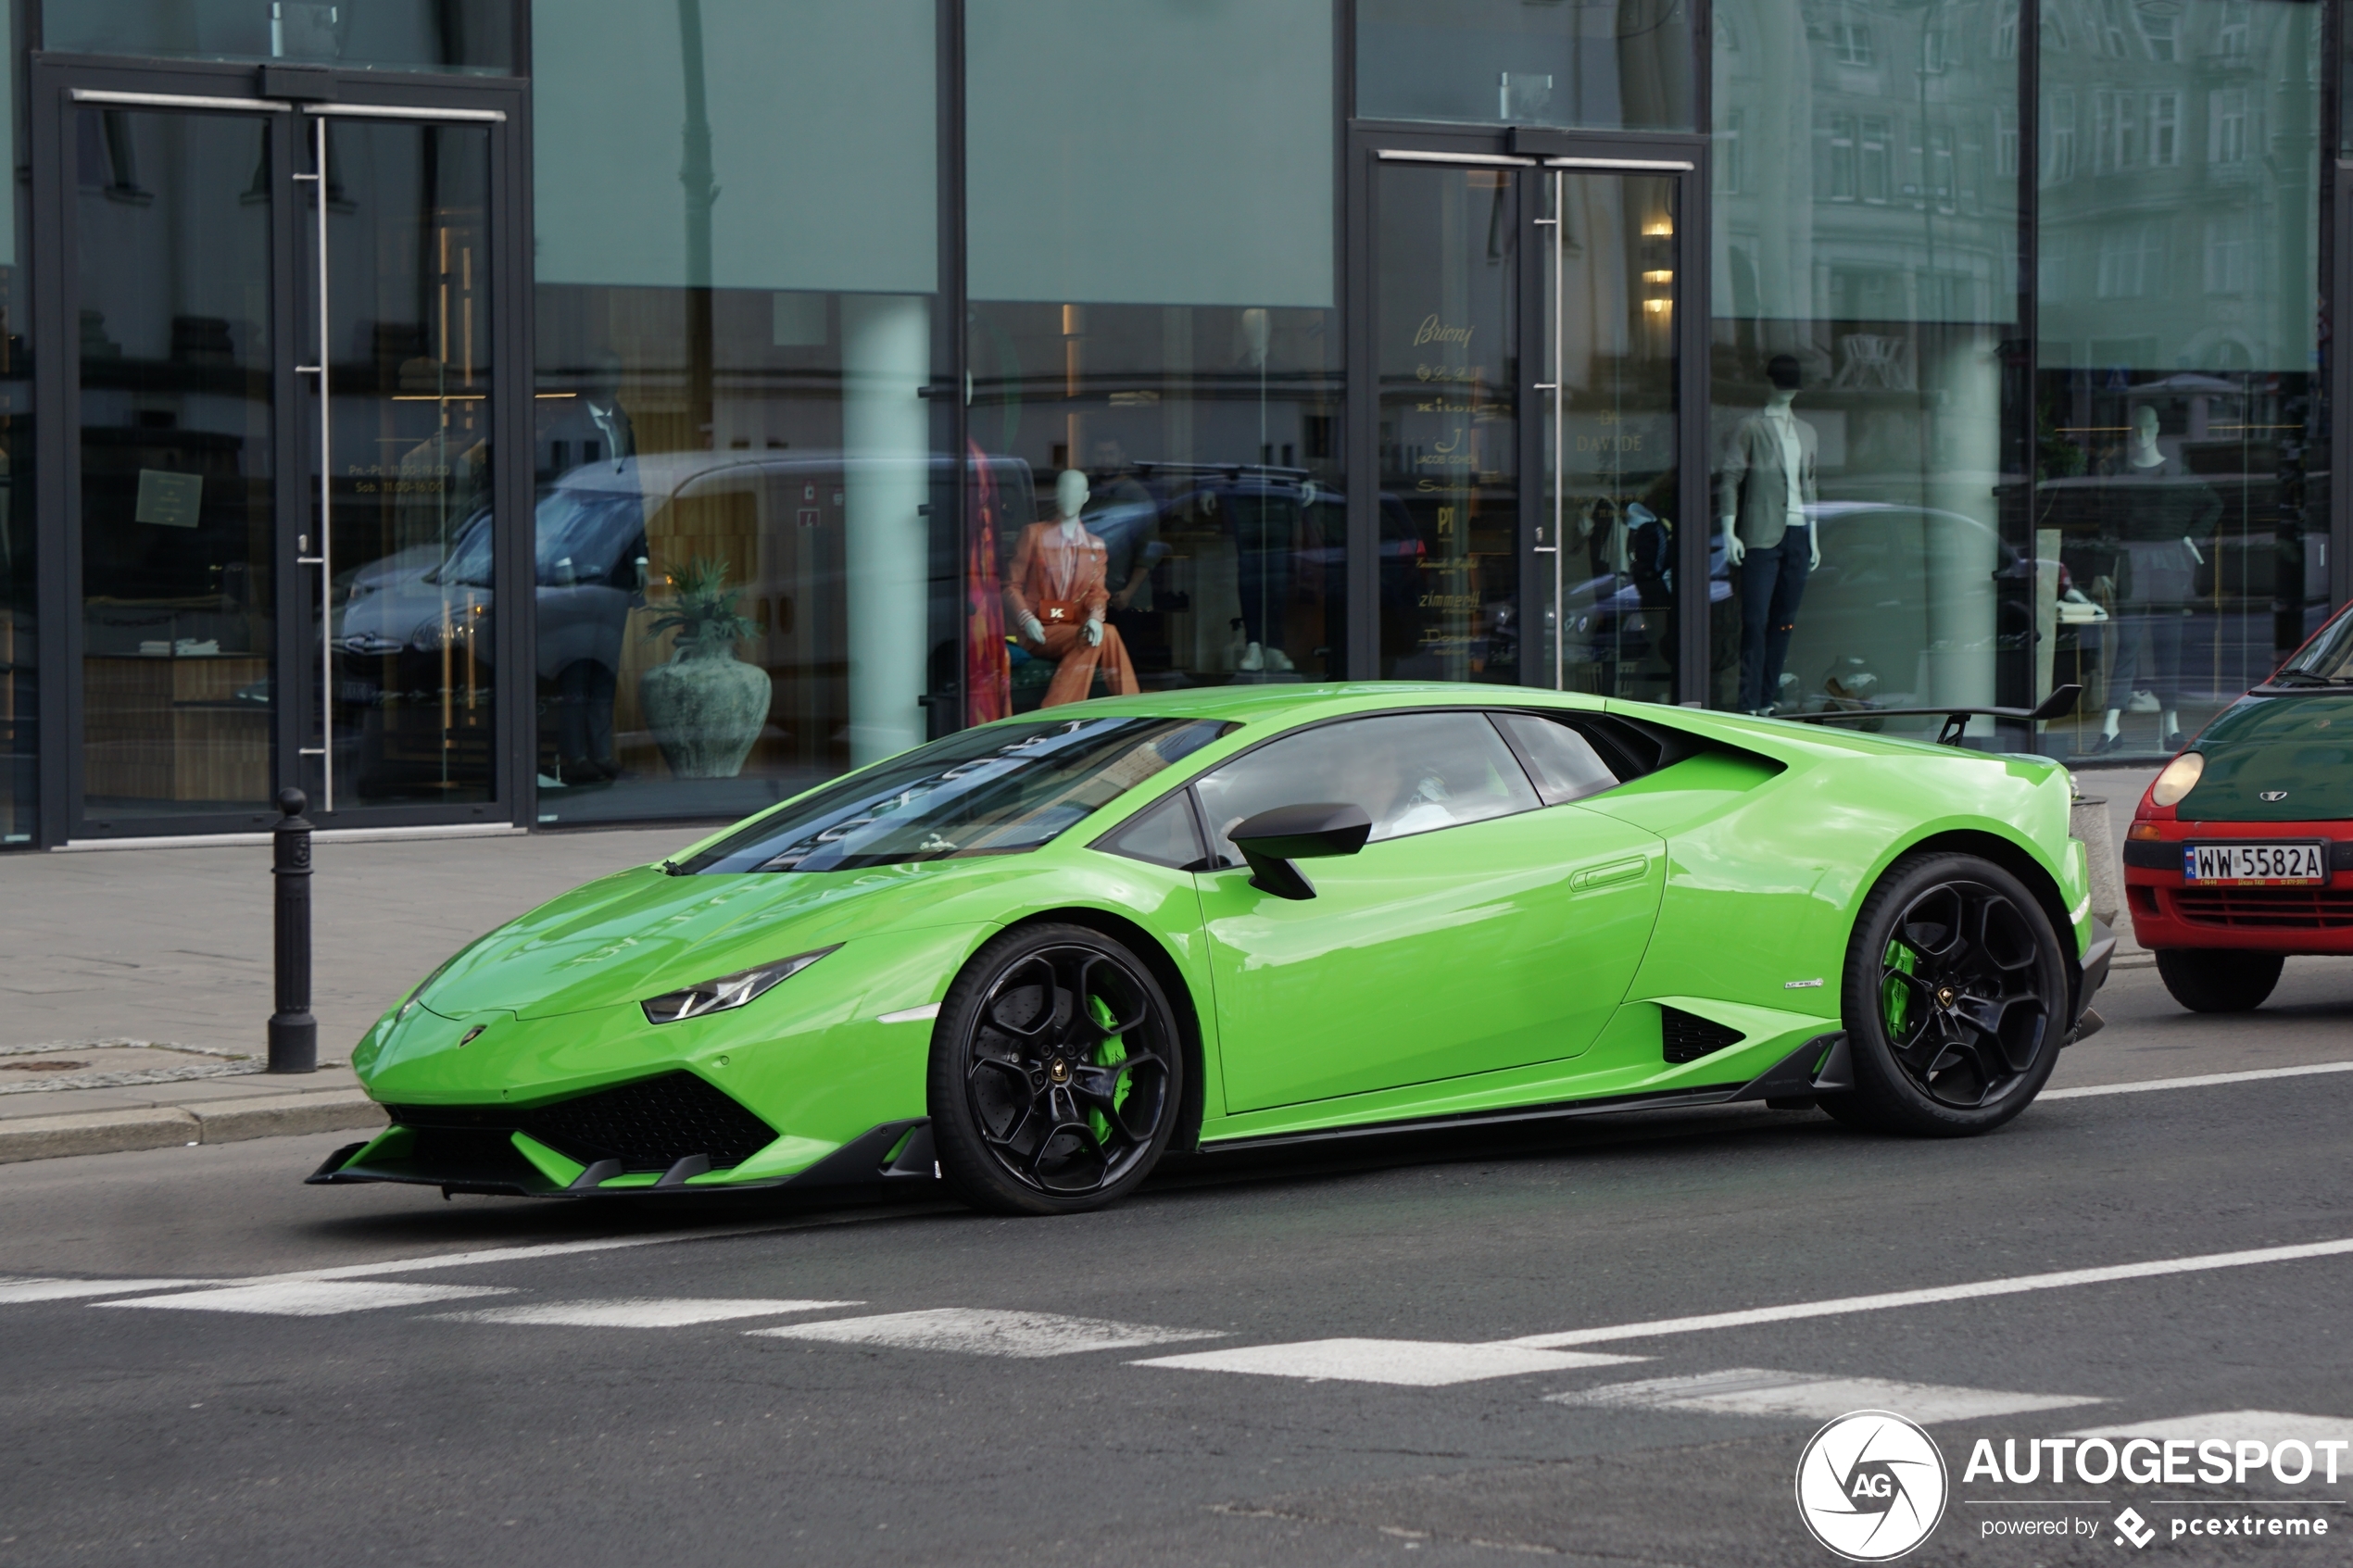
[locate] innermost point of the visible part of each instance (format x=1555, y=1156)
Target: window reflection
x=1446, y=264
x=452, y=35
x=1863, y=253
x=179, y=467
x=2176, y=512
x=739, y=476
x=1153, y=342
x=1612, y=349
x=1605, y=64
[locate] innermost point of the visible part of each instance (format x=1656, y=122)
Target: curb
x=227, y=1121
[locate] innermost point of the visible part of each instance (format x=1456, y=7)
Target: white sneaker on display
x=1253, y=659
x=1277, y=660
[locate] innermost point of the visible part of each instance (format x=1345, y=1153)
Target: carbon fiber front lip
x=865, y=1162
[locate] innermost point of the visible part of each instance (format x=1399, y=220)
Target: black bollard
x=293, y=1033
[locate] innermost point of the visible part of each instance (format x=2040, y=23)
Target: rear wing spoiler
x=2058, y=705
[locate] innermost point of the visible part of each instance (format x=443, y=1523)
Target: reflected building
x=514, y=413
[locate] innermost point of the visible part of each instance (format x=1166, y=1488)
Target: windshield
x=2327, y=657
x=993, y=791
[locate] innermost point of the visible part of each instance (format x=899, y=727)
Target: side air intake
x=1687, y=1036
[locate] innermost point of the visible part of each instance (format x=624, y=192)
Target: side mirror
x=1272, y=840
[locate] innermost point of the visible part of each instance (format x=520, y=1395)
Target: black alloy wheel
x=1956, y=1000
x=1056, y=1073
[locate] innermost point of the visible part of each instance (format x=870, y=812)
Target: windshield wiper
x=2305, y=676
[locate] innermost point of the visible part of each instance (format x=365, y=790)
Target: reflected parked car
x=602, y=533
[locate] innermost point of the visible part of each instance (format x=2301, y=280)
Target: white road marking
x=982, y=1331
x=22, y=1289
x=508, y=1254
x=2015, y=1285
x=2267, y=1426
x=911, y=1015
x=2201, y=1081
x=644, y=1311
x=1754, y=1391
x=311, y=1299
x=1416, y=1364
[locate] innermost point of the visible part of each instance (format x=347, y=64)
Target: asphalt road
x=428, y=1403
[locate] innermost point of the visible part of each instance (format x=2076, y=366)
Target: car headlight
x=2180, y=777
x=729, y=990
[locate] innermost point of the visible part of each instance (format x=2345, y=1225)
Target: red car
x=2242, y=850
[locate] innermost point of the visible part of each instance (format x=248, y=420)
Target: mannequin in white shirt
x=1780, y=408
x=1767, y=485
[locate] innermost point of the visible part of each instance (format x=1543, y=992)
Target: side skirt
x=1817, y=1067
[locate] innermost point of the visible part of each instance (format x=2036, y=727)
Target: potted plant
x=704, y=705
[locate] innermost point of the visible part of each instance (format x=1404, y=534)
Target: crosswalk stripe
x=1755, y=1391
x=1417, y=1363
x=490, y=1255
x=21, y=1290
x=2268, y=1426
x=643, y=1312
x=311, y=1299
x=981, y=1331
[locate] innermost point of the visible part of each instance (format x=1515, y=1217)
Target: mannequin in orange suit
x=1055, y=599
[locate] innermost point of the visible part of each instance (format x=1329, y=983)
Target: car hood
x=642, y=931
x=2296, y=745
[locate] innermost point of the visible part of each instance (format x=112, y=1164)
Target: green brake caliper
x=1111, y=1053
x=1895, y=997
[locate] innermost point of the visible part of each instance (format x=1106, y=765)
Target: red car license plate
x=2255, y=862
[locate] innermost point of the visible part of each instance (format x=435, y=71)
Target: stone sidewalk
x=136, y=986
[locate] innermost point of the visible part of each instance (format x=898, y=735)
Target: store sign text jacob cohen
x=1871, y=1486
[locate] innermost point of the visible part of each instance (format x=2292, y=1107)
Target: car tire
x=2219, y=979
x=1057, y=1073
x=1955, y=998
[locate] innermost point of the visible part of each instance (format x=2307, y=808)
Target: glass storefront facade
x=424, y=35
x=2177, y=406
x=19, y=581
x=562, y=412
x=1152, y=327
x=736, y=462
x=1865, y=300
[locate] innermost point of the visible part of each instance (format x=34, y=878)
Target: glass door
x=285, y=348
x=1529, y=330
x=1446, y=280
x=180, y=455
x=1610, y=519
x=398, y=373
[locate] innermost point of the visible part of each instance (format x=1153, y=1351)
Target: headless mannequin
x=1770, y=544
x=1779, y=406
x=2143, y=457
x=1070, y=499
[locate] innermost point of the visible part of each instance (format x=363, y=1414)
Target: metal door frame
x=293, y=99
x=1535, y=154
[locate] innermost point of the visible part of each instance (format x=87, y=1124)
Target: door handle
x=1615, y=872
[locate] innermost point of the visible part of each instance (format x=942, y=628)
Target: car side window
x=1166, y=834
x=1562, y=762
x=1412, y=773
